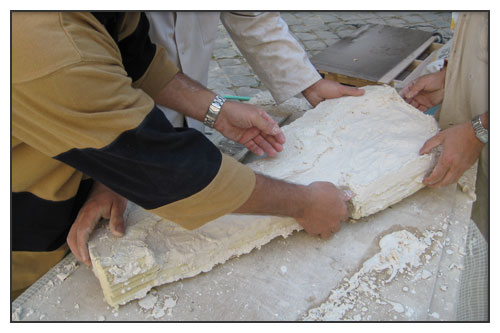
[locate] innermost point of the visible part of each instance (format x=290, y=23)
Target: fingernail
x=275, y=130
x=120, y=229
x=348, y=194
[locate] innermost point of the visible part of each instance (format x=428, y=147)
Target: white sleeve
x=274, y=54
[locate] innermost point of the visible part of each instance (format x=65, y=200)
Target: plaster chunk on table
x=369, y=144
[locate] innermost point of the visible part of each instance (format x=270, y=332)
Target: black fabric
x=43, y=225
x=152, y=165
x=137, y=50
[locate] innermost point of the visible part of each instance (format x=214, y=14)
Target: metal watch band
x=213, y=111
x=481, y=132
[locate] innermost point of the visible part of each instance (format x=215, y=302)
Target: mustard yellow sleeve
x=231, y=188
x=159, y=73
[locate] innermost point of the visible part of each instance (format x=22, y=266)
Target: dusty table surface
x=287, y=277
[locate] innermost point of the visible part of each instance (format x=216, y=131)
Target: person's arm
x=278, y=59
x=86, y=114
x=243, y=123
x=319, y=208
x=460, y=149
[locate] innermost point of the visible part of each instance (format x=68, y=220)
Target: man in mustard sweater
x=85, y=125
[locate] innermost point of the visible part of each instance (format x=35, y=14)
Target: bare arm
x=243, y=123
x=319, y=207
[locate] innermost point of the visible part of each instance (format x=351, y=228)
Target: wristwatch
x=481, y=132
x=213, y=111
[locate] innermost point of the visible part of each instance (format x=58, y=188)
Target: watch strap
x=213, y=111
x=481, y=132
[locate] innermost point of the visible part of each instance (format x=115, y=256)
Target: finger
x=414, y=88
x=437, y=174
x=326, y=235
x=430, y=144
x=265, y=123
x=351, y=91
x=116, y=222
x=272, y=140
x=451, y=177
x=254, y=148
x=403, y=92
x=71, y=240
x=265, y=145
x=280, y=137
x=85, y=225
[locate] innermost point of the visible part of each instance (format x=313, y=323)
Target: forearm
x=275, y=197
x=186, y=96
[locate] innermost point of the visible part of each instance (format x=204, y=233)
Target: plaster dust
x=400, y=253
x=369, y=144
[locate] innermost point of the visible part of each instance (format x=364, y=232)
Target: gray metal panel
x=371, y=52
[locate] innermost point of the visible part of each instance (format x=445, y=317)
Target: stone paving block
x=348, y=16
x=334, y=27
x=328, y=17
x=244, y=81
x=219, y=82
x=313, y=21
x=222, y=43
x=324, y=34
x=367, y=15
x=213, y=65
x=380, y=21
x=224, y=91
x=237, y=70
x=225, y=53
x=331, y=41
x=396, y=22
x=413, y=18
x=303, y=36
x=345, y=31
x=314, y=45
x=247, y=91
x=229, y=62
x=289, y=18
x=300, y=28
x=301, y=15
x=388, y=14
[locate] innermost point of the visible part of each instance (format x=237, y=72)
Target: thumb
x=430, y=144
x=413, y=88
x=351, y=91
x=265, y=123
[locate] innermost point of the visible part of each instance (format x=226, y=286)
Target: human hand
x=460, y=149
x=101, y=203
x=327, y=89
x=250, y=126
x=426, y=91
x=326, y=209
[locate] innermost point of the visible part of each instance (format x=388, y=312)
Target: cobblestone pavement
x=230, y=74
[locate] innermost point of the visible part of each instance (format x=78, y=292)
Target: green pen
x=241, y=98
